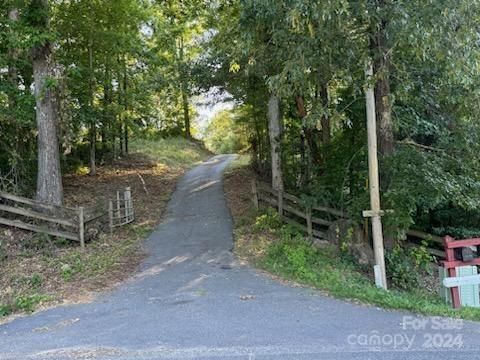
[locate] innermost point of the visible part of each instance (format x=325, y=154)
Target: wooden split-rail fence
x=62, y=221
x=315, y=220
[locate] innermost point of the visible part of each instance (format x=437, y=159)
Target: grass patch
x=294, y=259
x=174, y=152
x=38, y=270
x=106, y=256
x=26, y=304
x=263, y=241
x=241, y=161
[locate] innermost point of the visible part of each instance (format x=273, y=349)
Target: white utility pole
x=375, y=213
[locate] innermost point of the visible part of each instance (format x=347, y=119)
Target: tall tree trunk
x=275, y=133
x=259, y=149
x=12, y=68
x=107, y=100
x=184, y=89
x=49, y=179
x=93, y=149
x=305, y=151
x=93, y=128
x=119, y=125
x=325, y=120
x=113, y=132
x=125, y=138
x=120, y=135
x=103, y=135
x=125, y=106
x=381, y=67
x=12, y=93
x=186, y=112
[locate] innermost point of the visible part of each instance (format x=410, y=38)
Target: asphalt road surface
x=191, y=299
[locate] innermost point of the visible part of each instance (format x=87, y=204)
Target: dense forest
x=79, y=79
x=296, y=69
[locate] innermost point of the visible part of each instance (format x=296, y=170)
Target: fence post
x=110, y=216
x=309, y=222
x=118, y=205
x=452, y=271
x=126, y=197
x=255, y=194
x=130, y=205
x=81, y=227
x=280, y=203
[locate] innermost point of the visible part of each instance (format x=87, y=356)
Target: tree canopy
x=117, y=68
x=312, y=55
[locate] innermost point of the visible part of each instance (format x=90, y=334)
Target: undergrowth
x=283, y=251
x=174, y=152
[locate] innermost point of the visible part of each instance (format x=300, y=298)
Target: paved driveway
x=192, y=300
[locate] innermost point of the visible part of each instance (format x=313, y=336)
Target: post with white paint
x=119, y=214
x=128, y=204
x=375, y=213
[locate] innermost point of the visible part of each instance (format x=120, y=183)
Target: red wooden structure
x=452, y=262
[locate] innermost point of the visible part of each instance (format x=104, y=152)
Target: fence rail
x=436, y=244
x=61, y=221
x=315, y=220
x=38, y=217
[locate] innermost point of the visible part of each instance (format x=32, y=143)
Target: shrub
x=405, y=266
x=35, y=280
x=270, y=220
x=28, y=303
x=5, y=309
